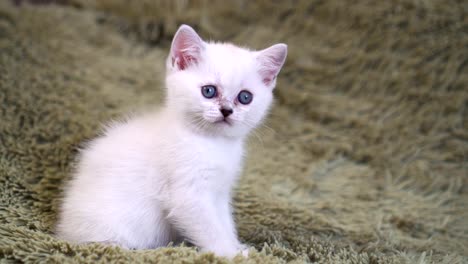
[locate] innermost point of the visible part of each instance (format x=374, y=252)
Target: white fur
x=167, y=176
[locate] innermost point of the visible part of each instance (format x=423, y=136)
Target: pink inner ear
x=268, y=76
x=183, y=61
x=186, y=48
x=271, y=60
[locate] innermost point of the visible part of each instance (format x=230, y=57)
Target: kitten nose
x=226, y=111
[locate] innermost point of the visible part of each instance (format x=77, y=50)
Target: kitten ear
x=271, y=60
x=186, y=48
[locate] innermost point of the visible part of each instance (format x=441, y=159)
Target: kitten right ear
x=186, y=48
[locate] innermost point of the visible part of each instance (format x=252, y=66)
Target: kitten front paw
x=240, y=250
x=244, y=250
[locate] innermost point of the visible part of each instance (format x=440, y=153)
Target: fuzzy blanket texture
x=364, y=158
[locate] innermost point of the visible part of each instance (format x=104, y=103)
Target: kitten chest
x=208, y=163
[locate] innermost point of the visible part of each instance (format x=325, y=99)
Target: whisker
x=268, y=128
x=262, y=144
x=254, y=132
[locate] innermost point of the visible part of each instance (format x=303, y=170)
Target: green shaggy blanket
x=363, y=158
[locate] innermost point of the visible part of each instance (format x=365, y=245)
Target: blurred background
x=364, y=158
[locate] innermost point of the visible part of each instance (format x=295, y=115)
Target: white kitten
x=168, y=176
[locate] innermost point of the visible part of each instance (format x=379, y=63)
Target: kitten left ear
x=186, y=48
x=271, y=60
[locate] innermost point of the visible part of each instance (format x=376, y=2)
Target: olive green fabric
x=362, y=160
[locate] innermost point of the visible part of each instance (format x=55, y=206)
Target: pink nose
x=226, y=111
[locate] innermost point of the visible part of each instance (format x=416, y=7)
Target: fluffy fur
x=167, y=176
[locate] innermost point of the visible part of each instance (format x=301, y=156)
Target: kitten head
x=220, y=89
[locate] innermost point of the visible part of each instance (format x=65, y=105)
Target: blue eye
x=245, y=97
x=209, y=91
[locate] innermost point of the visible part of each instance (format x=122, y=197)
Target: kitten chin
x=167, y=176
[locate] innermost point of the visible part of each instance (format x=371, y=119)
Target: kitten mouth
x=223, y=121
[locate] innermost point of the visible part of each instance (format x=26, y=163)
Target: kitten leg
x=200, y=221
x=227, y=217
